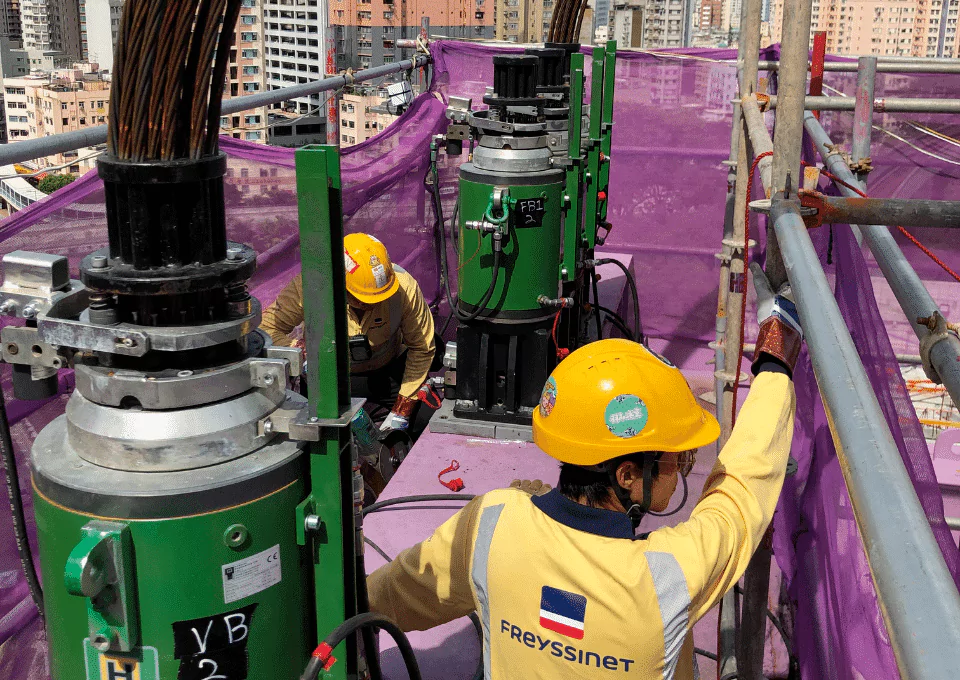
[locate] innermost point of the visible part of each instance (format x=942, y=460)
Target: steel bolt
x=30, y=311
x=311, y=523
x=268, y=380
x=126, y=342
x=268, y=427
x=234, y=253
x=98, y=262
x=8, y=308
x=12, y=348
x=314, y=419
x=101, y=641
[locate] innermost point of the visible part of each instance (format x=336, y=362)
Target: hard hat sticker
x=379, y=275
x=626, y=415
x=548, y=399
x=349, y=263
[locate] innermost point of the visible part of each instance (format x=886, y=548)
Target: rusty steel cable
x=557, y=12
x=578, y=24
x=201, y=85
x=174, y=83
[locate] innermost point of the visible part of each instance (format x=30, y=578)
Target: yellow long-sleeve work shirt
x=566, y=591
x=402, y=321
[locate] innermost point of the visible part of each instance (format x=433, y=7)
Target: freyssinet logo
x=562, y=612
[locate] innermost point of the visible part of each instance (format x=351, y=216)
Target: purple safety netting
x=668, y=188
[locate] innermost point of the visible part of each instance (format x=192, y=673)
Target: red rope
x=746, y=270
x=913, y=239
x=562, y=352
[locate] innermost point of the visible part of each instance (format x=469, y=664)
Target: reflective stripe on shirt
x=481, y=556
x=673, y=597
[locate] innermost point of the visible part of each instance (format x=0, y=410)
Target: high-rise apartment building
x=918, y=28
x=366, y=31
x=295, y=52
x=247, y=75
x=522, y=21
x=10, y=25
x=99, y=28
x=661, y=23
x=53, y=103
x=51, y=25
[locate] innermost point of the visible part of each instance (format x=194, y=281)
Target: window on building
x=248, y=20
x=63, y=106
x=83, y=121
x=251, y=70
x=252, y=120
x=252, y=136
x=251, y=87
x=249, y=53
x=248, y=37
x=66, y=121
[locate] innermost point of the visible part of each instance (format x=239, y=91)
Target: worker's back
x=566, y=591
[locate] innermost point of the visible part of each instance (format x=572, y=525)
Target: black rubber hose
x=617, y=321
x=596, y=302
x=16, y=509
x=368, y=634
x=705, y=653
x=350, y=626
x=444, y=265
x=379, y=505
x=633, y=292
x=380, y=551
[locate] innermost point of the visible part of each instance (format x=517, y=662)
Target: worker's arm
x=714, y=546
x=285, y=314
x=429, y=584
x=417, y=328
x=739, y=497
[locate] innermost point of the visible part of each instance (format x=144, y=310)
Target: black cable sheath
x=596, y=302
x=379, y=505
x=444, y=265
x=633, y=292
x=367, y=620
x=705, y=653
x=16, y=508
x=367, y=633
x=617, y=321
x=380, y=551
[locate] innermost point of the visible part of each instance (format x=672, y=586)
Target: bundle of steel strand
x=567, y=21
x=171, y=61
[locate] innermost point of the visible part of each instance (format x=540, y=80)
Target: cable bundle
x=567, y=21
x=170, y=65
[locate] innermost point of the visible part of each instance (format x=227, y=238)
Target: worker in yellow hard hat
x=563, y=585
x=390, y=327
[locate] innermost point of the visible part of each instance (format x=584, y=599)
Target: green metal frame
x=606, y=123
x=592, y=175
x=573, y=200
x=325, y=331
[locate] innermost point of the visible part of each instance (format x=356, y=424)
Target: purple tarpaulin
x=668, y=187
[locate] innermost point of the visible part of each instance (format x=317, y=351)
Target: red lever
x=453, y=484
x=602, y=195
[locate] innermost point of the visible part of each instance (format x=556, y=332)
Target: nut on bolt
x=312, y=523
x=30, y=311
x=98, y=262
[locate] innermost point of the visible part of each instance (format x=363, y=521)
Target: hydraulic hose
x=444, y=265
x=16, y=508
x=379, y=505
x=596, y=302
x=617, y=321
x=633, y=292
x=322, y=658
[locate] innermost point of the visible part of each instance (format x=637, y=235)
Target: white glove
x=394, y=422
x=780, y=305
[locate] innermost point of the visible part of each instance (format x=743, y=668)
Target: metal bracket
x=100, y=568
x=292, y=355
x=22, y=345
x=940, y=329
x=304, y=427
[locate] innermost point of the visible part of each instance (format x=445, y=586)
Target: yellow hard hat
x=370, y=276
x=615, y=397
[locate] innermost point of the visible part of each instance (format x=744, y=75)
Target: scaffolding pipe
x=863, y=114
x=906, y=212
x=916, y=592
x=942, y=66
x=68, y=141
x=759, y=138
x=881, y=105
x=912, y=295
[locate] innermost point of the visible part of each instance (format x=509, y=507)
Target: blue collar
x=584, y=518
